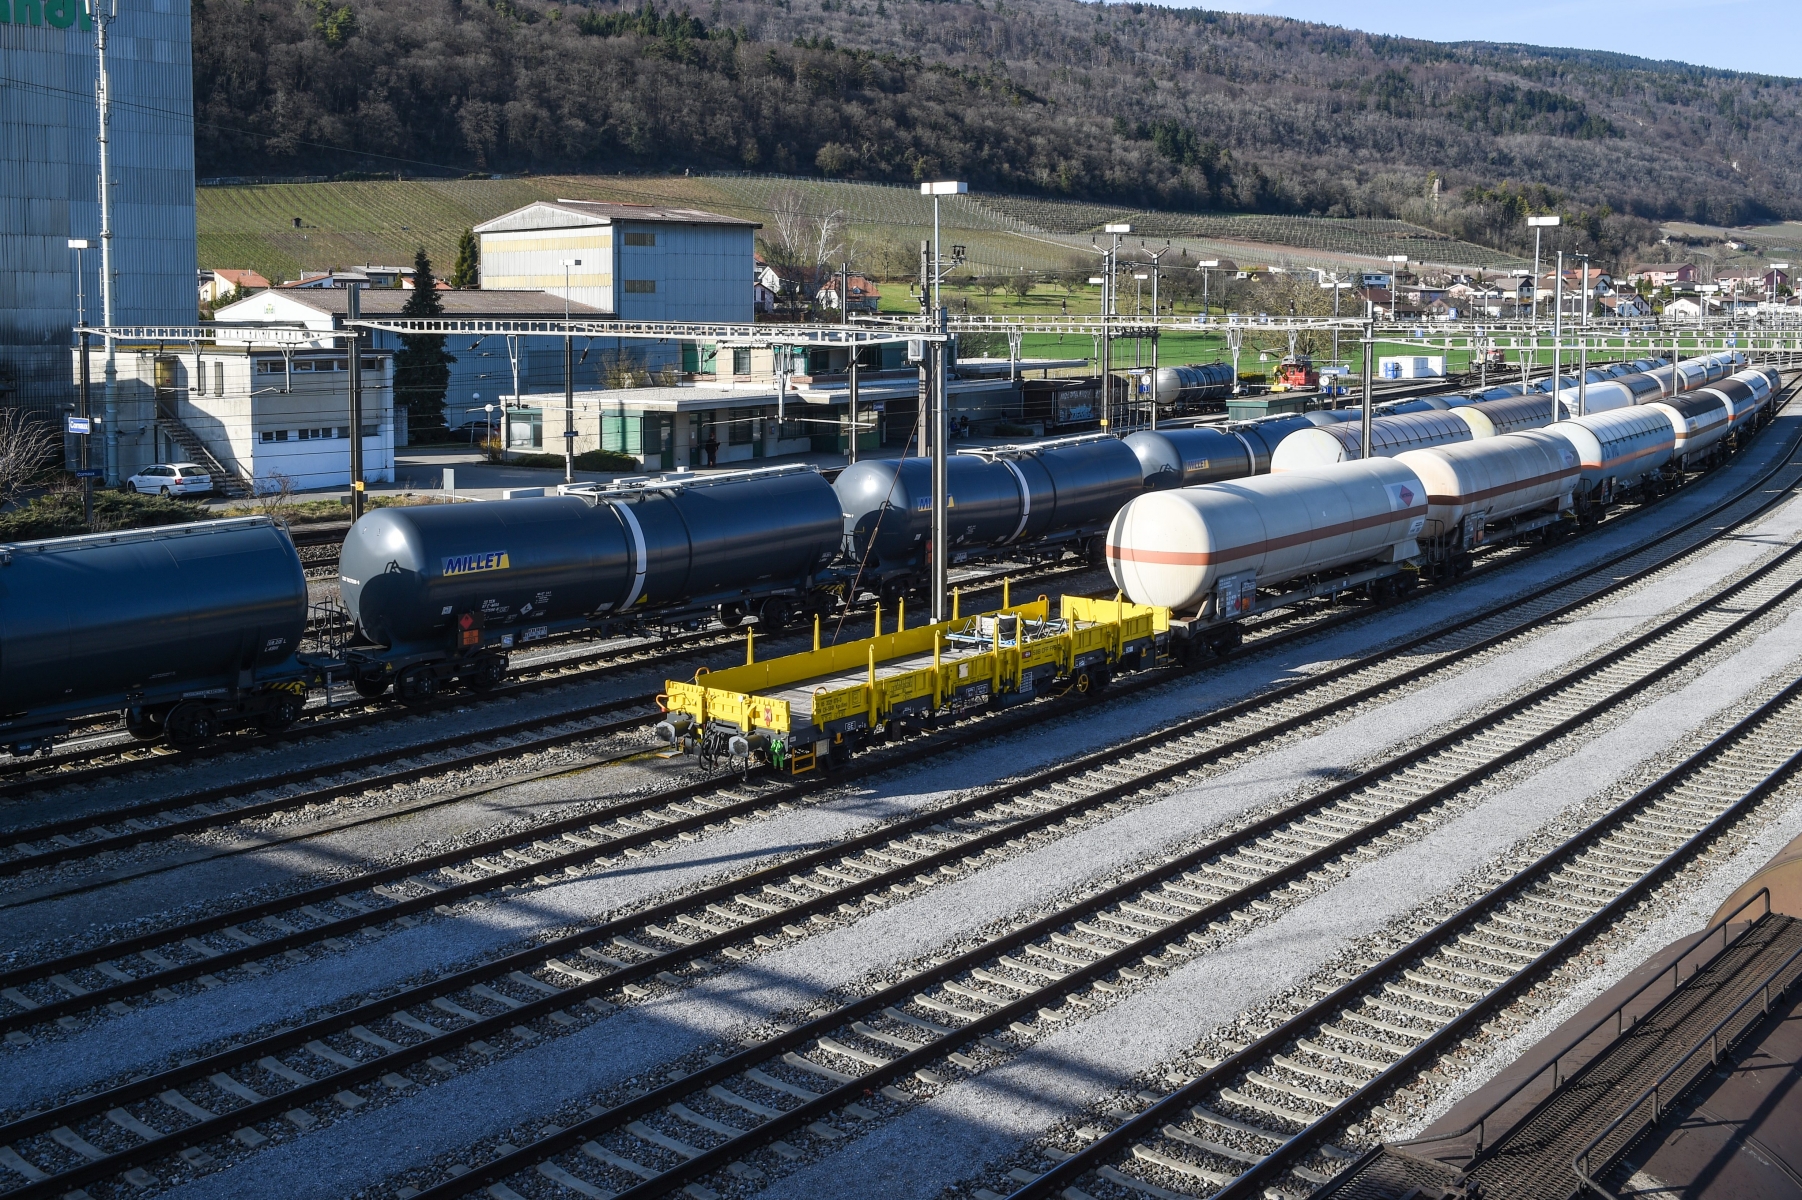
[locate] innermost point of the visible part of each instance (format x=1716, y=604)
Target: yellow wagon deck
x=802, y=702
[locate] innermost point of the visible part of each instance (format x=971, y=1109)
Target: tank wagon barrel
x=1034, y=497
x=443, y=592
x=187, y=629
x=1185, y=385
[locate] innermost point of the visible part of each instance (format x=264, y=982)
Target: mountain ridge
x=1179, y=109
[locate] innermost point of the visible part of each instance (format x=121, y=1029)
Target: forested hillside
x=1172, y=108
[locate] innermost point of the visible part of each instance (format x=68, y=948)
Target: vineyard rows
x=342, y=224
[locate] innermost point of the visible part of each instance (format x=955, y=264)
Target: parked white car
x=171, y=479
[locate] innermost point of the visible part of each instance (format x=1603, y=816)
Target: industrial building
x=485, y=368
x=636, y=262
x=739, y=404
x=48, y=172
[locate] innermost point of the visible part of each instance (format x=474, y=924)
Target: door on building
x=659, y=440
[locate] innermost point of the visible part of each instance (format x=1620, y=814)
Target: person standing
x=712, y=446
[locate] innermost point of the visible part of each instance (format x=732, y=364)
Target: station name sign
x=58, y=14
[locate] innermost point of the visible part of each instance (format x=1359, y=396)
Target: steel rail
x=1116, y=1144
x=1169, y=935
x=939, y=743
x=536, y=956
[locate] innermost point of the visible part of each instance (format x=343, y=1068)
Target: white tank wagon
x=1307, y=449
x=1747, y=395
x=1209, y=550
x=1700, y=422
x=1619, y=451
x=1511, y=414
x=1510, y=484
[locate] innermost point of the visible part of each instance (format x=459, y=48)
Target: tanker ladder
x=817, y=708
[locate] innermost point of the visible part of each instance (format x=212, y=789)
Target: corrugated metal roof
x=563, y=214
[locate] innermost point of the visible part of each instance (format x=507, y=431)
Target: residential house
x=217, y=285
x=1753, y=281
x=866, y=297
x=1663, y=274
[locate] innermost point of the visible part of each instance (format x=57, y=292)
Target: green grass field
x=342, y=224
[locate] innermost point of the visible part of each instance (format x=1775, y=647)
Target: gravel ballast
x=152, y=1034
x=997, y=1113
x=1055, y=1074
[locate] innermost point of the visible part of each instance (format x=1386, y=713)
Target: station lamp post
x=1539, y=225
x=1204, y=266
x=940, y=425
x=1107, y=310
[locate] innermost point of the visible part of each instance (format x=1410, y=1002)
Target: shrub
x=59, y=514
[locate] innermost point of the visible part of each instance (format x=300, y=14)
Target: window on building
x=304, y=364
x=372, y=364
x=641, y=286
x=741, y=360
x=740, y=422
x=639, y=239
x=275, y=435
x=370, y=431
x=218, y=379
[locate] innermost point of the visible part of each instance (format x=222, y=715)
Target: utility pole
x=353, y=312
x=924, y=417
x=941, y=522
x=1369, y=347
x=103, y=103
x=1155, y=330
x=569, y=383
x=1107, y=311
x=844, y=312
x=86, y=412
x=1557, y=333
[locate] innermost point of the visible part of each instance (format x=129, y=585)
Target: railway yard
x=1243, y=908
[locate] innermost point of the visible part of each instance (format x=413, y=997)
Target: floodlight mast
x=104, y=12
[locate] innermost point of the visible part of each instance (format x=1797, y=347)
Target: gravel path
x=997, y=1113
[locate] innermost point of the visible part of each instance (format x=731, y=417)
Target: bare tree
x=27, y=452
x=274, y=495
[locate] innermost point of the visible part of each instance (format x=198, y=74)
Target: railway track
x=995, y=993
x=1259, y=1121
x=46, y=844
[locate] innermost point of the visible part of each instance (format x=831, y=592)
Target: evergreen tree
x=468, y=271
x=422, y=368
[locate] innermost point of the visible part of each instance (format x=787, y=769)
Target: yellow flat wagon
x=800, y=710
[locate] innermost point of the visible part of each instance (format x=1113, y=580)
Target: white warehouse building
x=638, y=262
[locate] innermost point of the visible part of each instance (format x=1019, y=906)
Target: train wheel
x=369, y=689
x=282, y=712
x=190, y=725
x=775, y=613
x=416, y=685
x=1088, y=681
x=490, y=670
x=731, y=615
